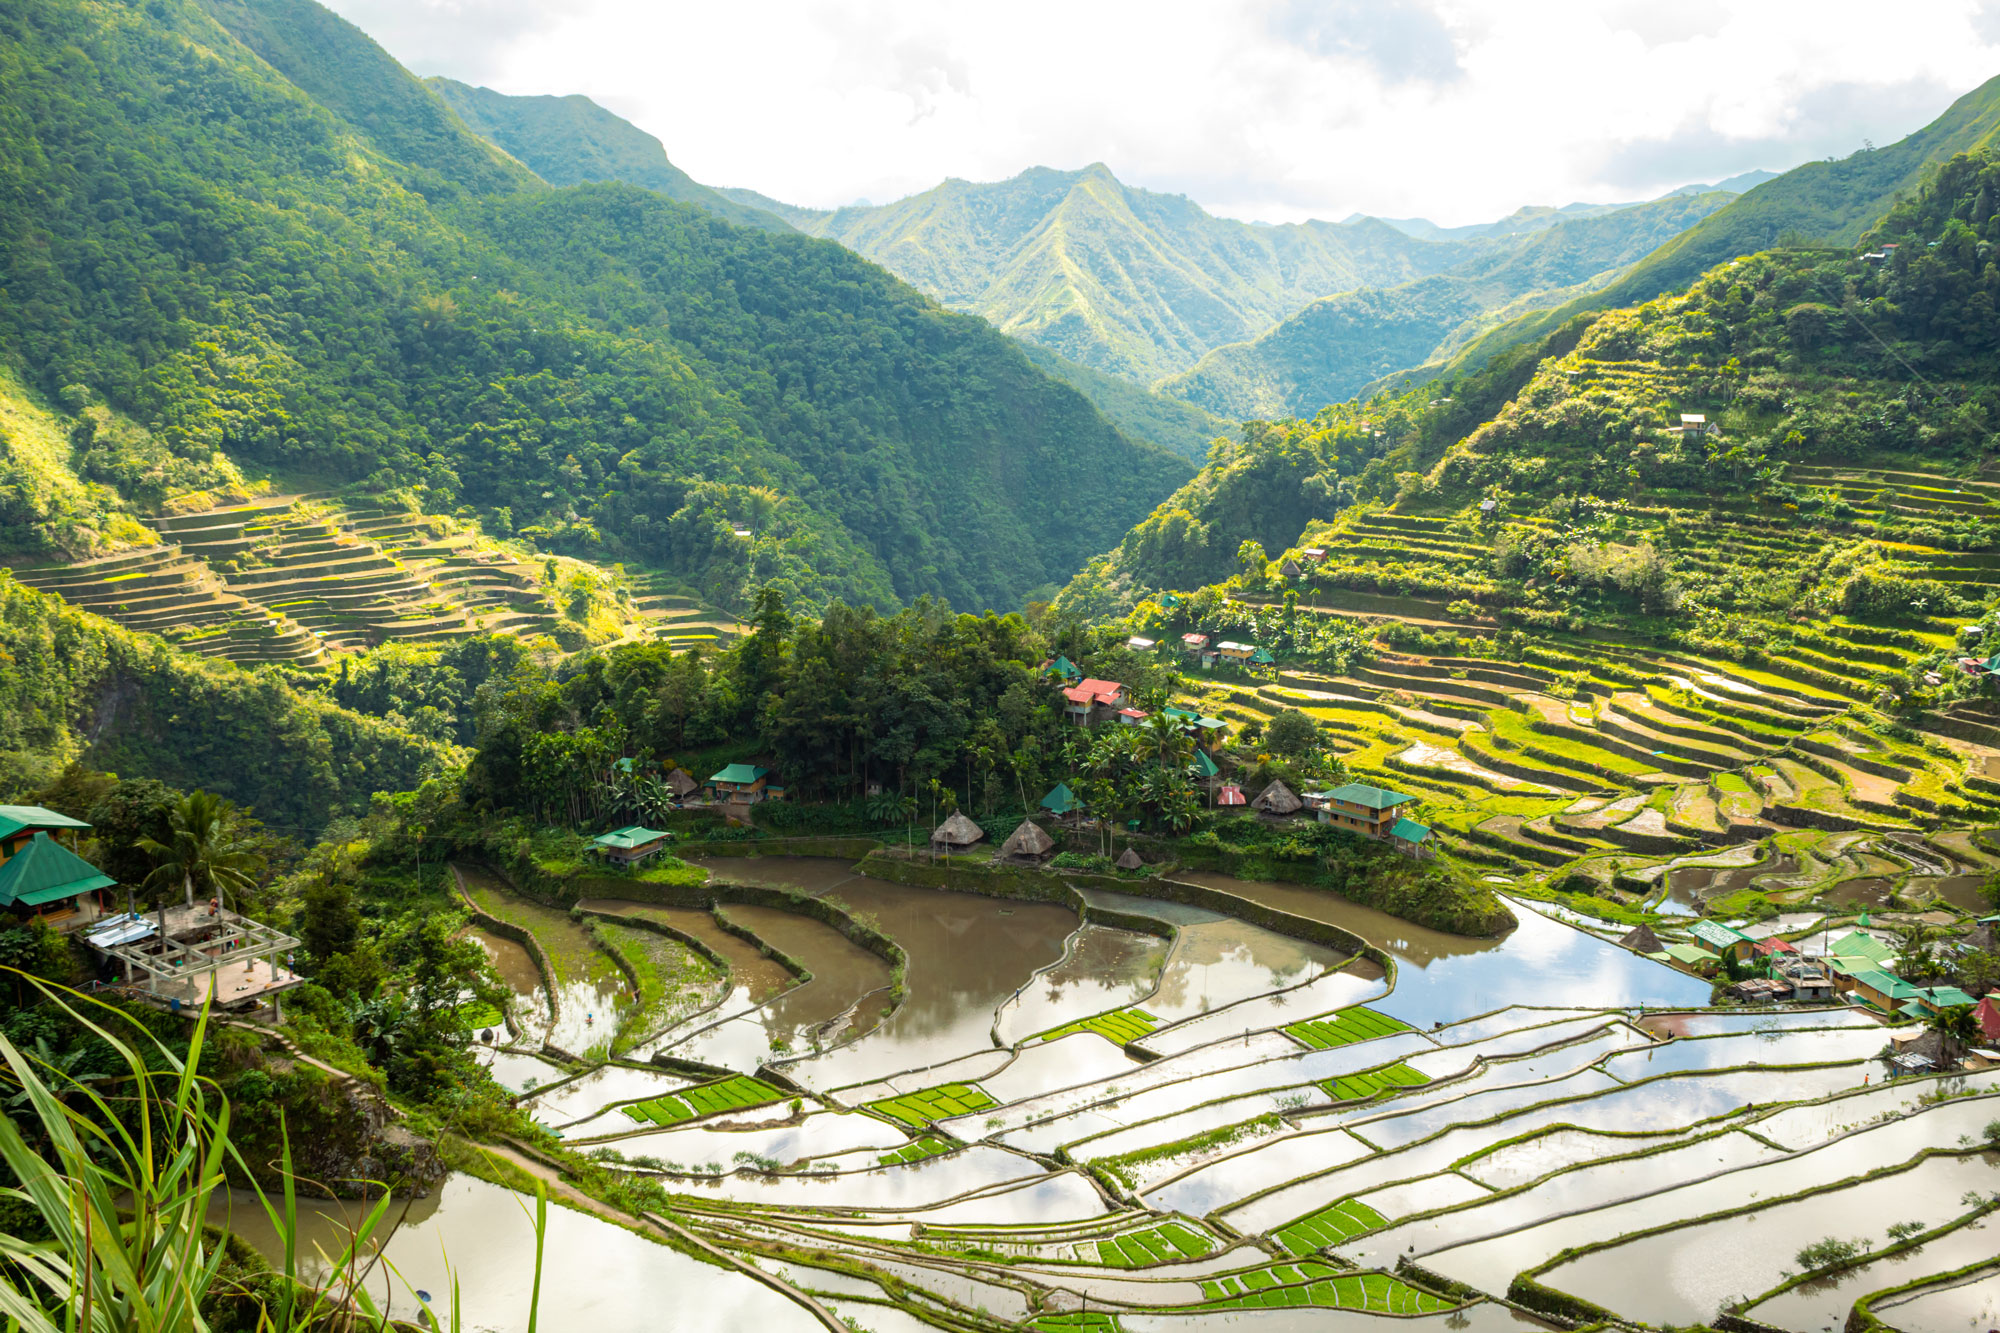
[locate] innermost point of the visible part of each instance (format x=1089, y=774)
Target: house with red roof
x=1987, y=1014
x=1091, y=701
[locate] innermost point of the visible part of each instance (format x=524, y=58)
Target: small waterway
x=590, y=990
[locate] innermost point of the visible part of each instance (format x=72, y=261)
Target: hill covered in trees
x=253, y=241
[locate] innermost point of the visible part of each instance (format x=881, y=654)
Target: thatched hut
x=682, y=784
x=1027, y=845
x=955, y=834
x=1641, y=939
x=1277, y=799
x=1130, y=860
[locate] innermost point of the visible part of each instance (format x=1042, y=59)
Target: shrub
x=1831, y=1252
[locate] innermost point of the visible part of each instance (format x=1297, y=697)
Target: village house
x=1725, y=941
x=630, y=845
x=1091, y=701
x=1236, y=654
x=1374, y=812
x=1691, y=957
x=743, y=784
x=1316, y=554
x=1062, y=802
x=42, y=879
x=1196, y=648
x=1139, y=644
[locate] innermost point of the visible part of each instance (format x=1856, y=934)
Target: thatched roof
x=958, y=831
x=681, y=782
x=1130, y=860
x=1290, y=569
x=1641, y=939
x=1028, y=842
x=1277, y=799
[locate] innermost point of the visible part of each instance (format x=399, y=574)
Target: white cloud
x=1276, y=109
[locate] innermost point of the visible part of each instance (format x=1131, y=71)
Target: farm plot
x=730, y=1094
x=1125, y=1025
x=1166, y=1243
x=1347, y=1025
x=920, y=1109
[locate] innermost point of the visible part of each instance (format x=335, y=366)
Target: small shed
x=1130, y=860
x=631, y=844
x=955, y=834
x=1290, y=569
x=1641, y=939
x=1277, y=799
x=1027, y=845
x=682, y=784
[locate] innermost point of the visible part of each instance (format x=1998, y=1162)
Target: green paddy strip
x=1342, y=1028
x=1312, y=1283
x=1118, y=1027
x=930, y=1145
x=729, y=1094
x=1170, y=1242
x=918, y=1109
x=1369, y=1082
x=1330, y=1226
x=1075, y=1321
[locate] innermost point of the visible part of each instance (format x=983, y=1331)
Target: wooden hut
x=955, y=834
x=1641, y=939
x=682, y=784
x=1277, y=799
x=1027, y=845
x=1130, y=860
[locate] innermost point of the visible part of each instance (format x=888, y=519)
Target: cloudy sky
x=1458, y=110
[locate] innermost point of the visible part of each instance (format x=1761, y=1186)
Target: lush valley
x=517, y=690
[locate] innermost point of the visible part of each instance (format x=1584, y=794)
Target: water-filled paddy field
x=987, y=1121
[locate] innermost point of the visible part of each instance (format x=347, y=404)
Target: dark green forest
x=356, y=289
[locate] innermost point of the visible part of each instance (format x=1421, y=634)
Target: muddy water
x=966, y=955
x=518, y=1072
x=753, y=978
x=1217, y=964
x=596, y=1274
x=1359, y=982
x=842, y=974
x=1689, y=888
x=590, y=988
x=1438, y=976
x=1105, y=969
x=517, y=968
x=1683, y=1276
x=1966, y=892
x=601, y=1087
x=1870, y=892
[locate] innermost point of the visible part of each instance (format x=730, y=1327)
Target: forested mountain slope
x=572, y=140
x=1125, y=281
x=349, y=286
x=1821, y=376
x=1833, y=201
x=1331, y=349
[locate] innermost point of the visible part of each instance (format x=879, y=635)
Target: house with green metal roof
x=1360, y=808
x=1723, y=939
x=631, y=844
x=1860, y=944
x=1410, y=837
x=1690, y=956
x=1204, y=767
x=1262, y=657
x=742, y=783
x=44, y=878
x=19, y=823
x=1063, y=669
x=1882, y=991
x=1061, y=801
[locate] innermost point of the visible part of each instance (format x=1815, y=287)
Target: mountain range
x=240, y=244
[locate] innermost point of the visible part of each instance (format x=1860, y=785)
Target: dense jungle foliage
x=74, y=687
x=355, y=288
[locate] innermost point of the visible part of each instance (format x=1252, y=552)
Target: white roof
x=1136, y=642
x=1229, y=647
x=1693, y=419
x=123, y=929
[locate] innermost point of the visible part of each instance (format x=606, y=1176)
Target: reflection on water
x=1105, y=969
x=595, y=1275
x=1219, y=963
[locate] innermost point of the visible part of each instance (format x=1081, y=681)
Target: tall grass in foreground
x=122, y=1184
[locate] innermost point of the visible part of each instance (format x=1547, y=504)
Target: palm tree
x=1958, y=1027
x=1913, y=952
x=206, y=851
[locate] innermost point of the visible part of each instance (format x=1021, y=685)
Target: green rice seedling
x=1343, y=1027
x=1118, y=1027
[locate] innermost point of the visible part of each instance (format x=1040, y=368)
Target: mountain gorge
x=255, y=247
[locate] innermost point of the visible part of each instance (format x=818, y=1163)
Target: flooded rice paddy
x=929, y=1155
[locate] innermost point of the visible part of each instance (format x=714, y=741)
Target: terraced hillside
x=294, y=578
x=1496, y=1135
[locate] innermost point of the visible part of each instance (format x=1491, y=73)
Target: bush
x=1831, y=1252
